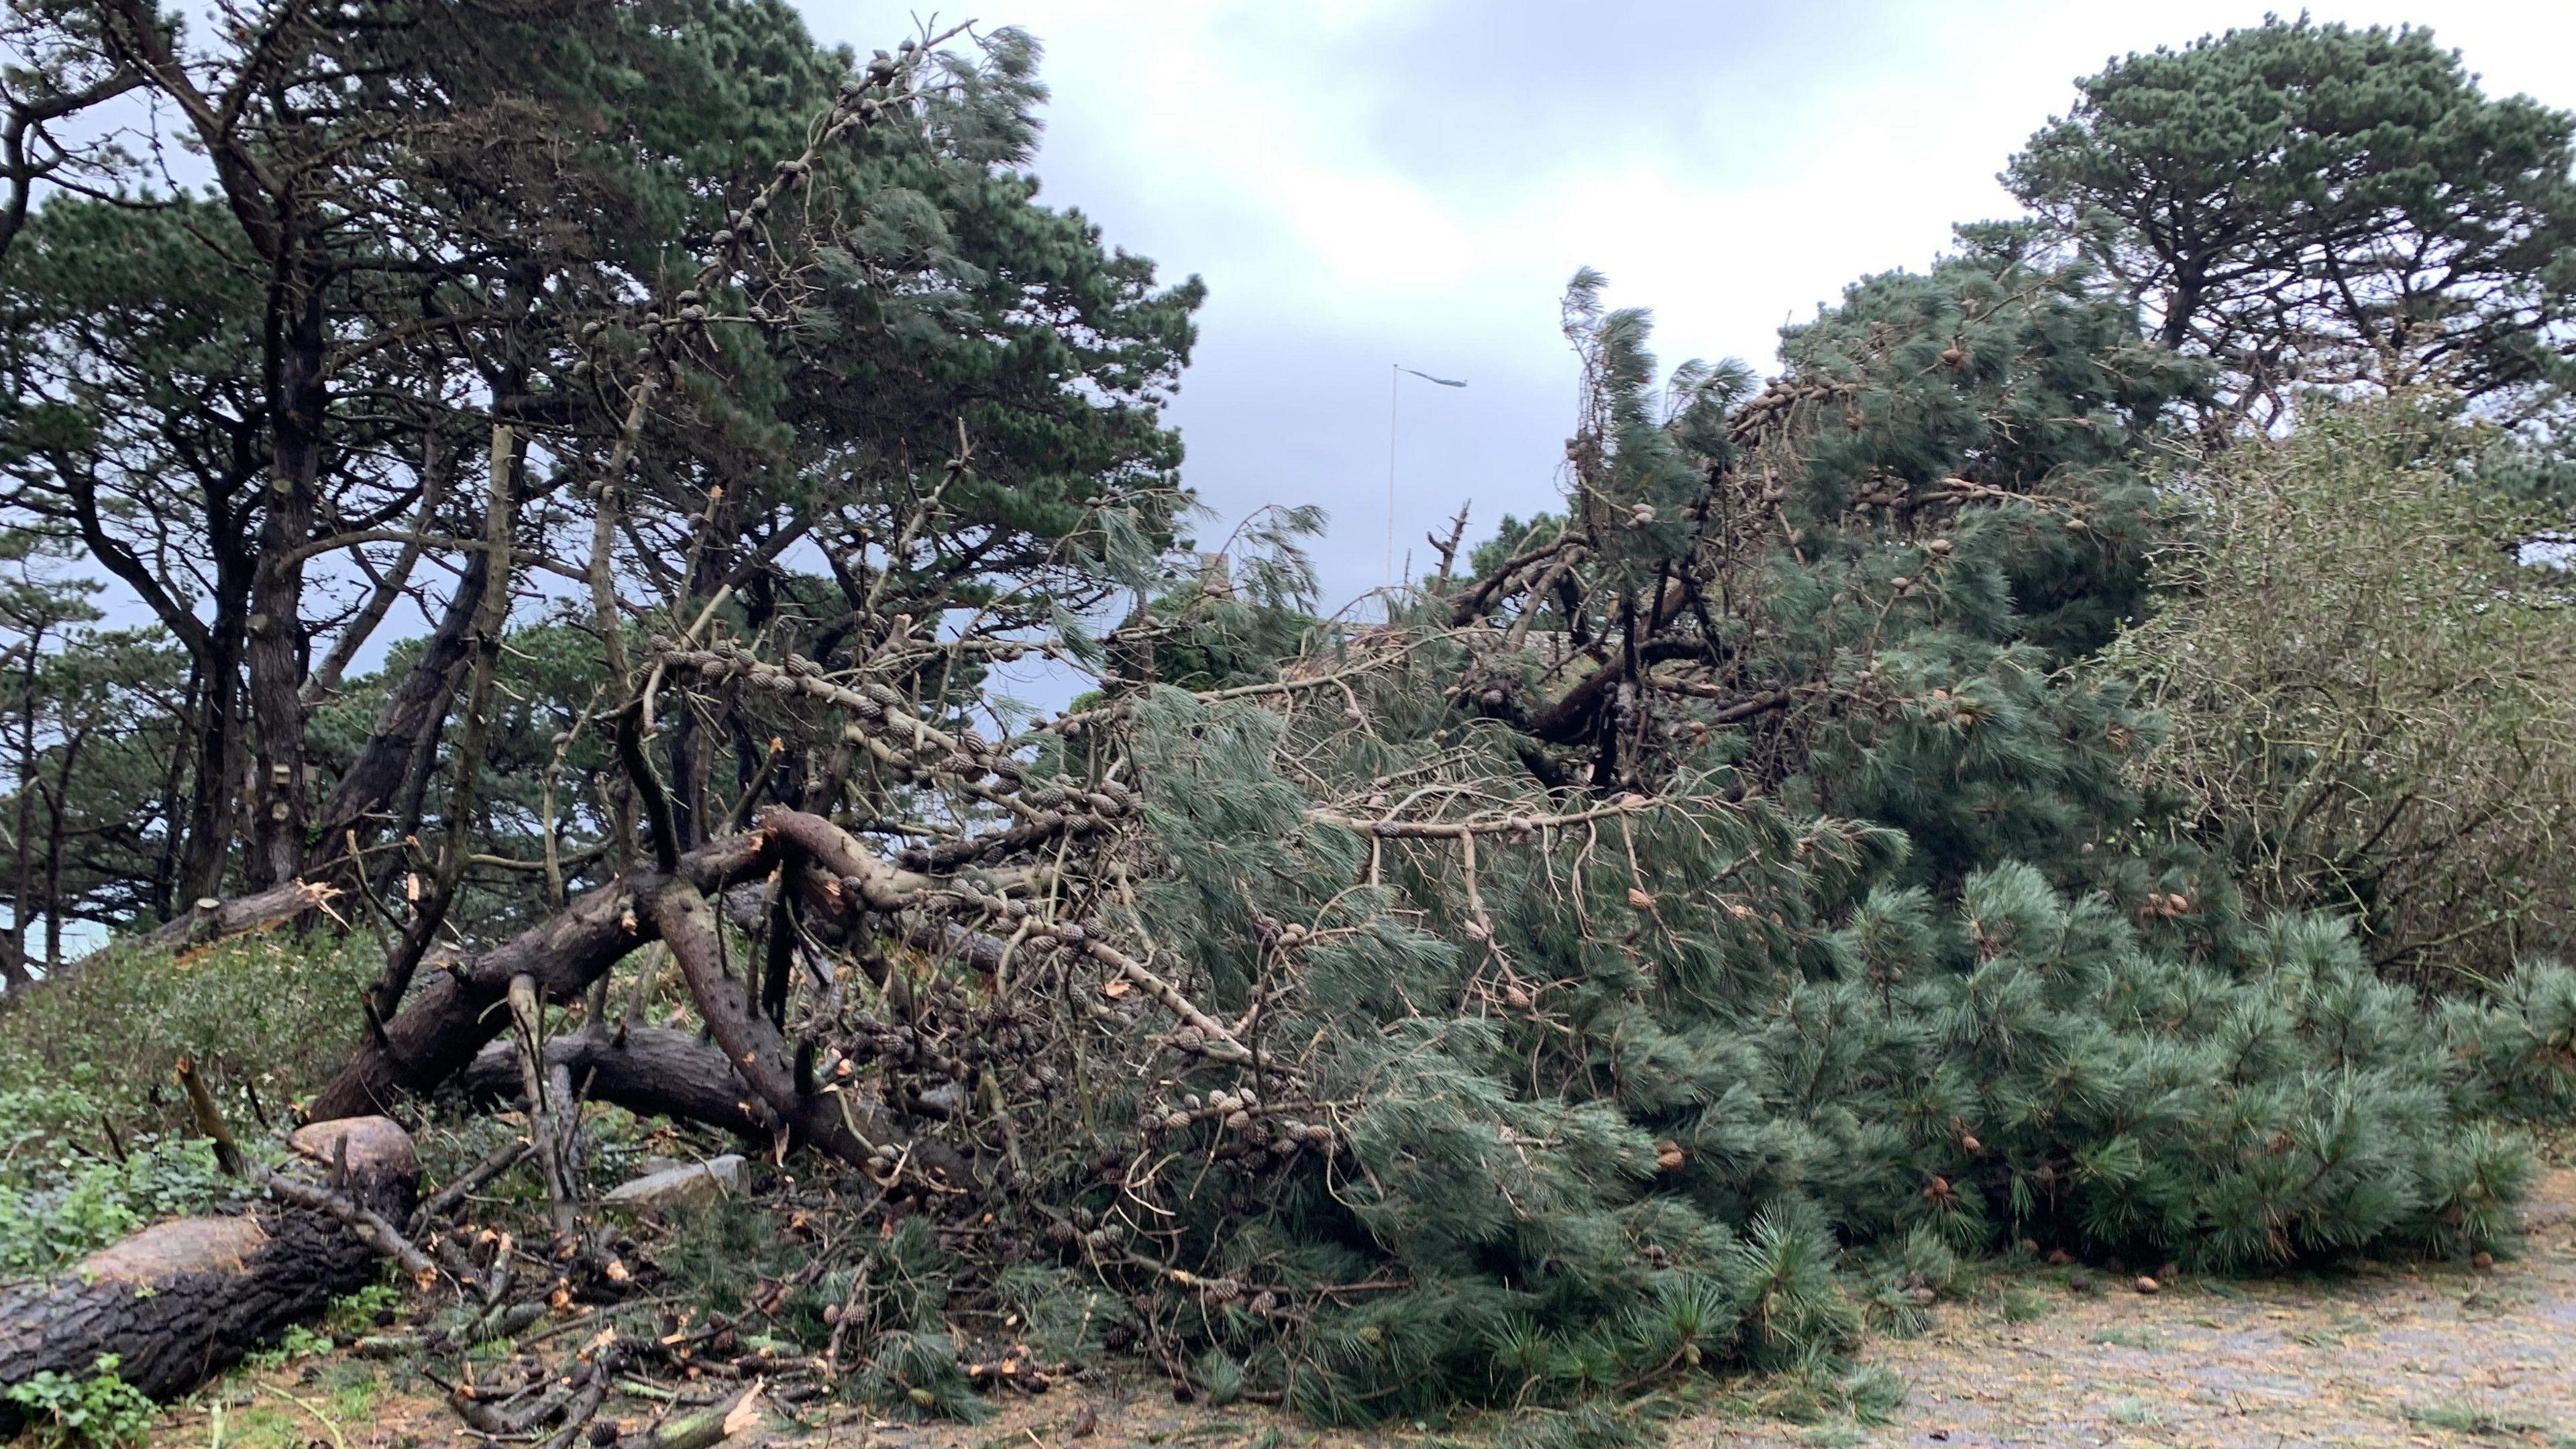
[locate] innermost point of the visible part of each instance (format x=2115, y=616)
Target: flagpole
x=1394, y=384
x=1395, y=372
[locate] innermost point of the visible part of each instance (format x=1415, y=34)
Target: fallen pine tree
x=186, y=1298
x=210, y=921
x=1669, y=938
x=1556, y=986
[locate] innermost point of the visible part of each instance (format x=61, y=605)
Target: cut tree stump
x=181, y=1300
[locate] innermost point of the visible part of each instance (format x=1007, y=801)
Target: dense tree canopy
x=2309, y=203
x=266, y=412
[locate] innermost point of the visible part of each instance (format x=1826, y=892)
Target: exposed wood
x=544, y=1108
x=183, y=1299
x=754, y=1048
x=207, y=923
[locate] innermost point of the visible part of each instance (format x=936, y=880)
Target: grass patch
x=2133, y=1412
x=2333, y=1333
x=97, y=1141
x=2023, y=1303
x=2488, y=1423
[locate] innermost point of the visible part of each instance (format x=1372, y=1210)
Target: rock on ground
x=680, y=1183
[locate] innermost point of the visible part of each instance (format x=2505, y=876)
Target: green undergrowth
x=267, y=1018
x=97, y=1410
x=301, y=1389
x=95, y=1135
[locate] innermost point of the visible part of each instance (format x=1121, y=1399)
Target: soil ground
x=2397, y=1355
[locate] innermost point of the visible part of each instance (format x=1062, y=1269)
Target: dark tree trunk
x=299, y=400
x=215, y=768
x=57, y=803
x=213, y=795
x=688, y=777
x=748, y=1080
x=375, y=783
x=179, y=1301
x=2182, y=309
x=23, y=889
x=175, y=780
x=407, y=808
x=650, y=1071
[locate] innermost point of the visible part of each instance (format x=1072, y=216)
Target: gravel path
x=2424, y=1355
x=2391, y=1355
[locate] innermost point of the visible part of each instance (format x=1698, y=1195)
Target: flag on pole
x=1443, y=381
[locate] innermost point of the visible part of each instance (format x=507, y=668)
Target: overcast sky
x=1414, y=180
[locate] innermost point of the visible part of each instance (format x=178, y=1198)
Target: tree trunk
x=198, y=925
x=181, y=1300
x=650, y=1071
x=750, y=1080
x=299, y=399
x=491, y=615
x=267, y=909
x=688, y=771
x=25, y=885
x=415, y=710
x=215, y=764
x=57, y=802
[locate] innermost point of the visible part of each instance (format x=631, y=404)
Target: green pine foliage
x=1951, y=1076
x=2307, y=203
x=1670, y=944
x=1667, y=1075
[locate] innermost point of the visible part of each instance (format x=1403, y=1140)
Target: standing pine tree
x=1665, y=945
x=2312, y=204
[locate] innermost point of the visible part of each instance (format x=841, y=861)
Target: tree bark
x=650, y=1071
x=748, y=1081
x=299, y=397
x=26, y=771
x=415, y=709
x=179, y=1301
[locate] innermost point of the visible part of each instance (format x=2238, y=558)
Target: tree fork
x=449, y=1017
